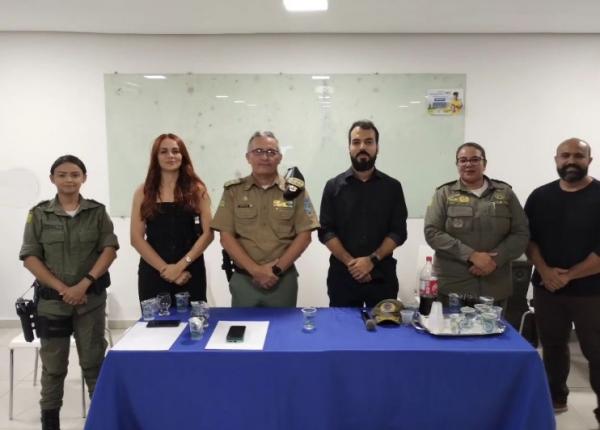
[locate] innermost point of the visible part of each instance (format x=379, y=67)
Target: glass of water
x=182, y=300
x=204, y=311
x=309, y=314
x=488, y=322
x=196, y=325
x=468, y=314
x=149, y=309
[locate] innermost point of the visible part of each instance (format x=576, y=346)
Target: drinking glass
x=468, y=314
x=149, y=309
x=196, y=325
x=182, y=301
x=164, y=303
x=308, y=323
x=486, y=300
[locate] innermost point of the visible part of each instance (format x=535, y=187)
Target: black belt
x=238, y=269
x=96, y=288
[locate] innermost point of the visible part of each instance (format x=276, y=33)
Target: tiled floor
x=26, y=414
x=26, y=410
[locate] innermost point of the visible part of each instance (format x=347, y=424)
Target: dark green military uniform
x=458, y=222
x=69, y=247
x=265, y=224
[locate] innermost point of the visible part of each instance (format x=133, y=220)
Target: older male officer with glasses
x=476, y=226
x=263, y=232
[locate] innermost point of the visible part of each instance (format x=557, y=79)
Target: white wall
x=524, y=95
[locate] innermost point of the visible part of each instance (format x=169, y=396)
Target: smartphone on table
x=163, y=323
x=236, y=333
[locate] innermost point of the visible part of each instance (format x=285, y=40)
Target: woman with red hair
x=170, y=221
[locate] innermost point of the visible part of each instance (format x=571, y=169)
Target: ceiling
x=269, y=16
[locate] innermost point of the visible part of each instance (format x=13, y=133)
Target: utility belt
x=238, y=269
x=44, y=327
x=96, y=288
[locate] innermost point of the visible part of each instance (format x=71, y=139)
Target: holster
x=27, y=312
x=47, y=328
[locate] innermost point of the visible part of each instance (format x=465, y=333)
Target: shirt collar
x=350, y=174
x=458, y=185
x=55, y=207
x=249, y=181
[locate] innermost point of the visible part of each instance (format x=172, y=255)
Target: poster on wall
x=445, y=101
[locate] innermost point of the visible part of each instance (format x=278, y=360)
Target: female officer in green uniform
x=476, y=226
x=68, y=246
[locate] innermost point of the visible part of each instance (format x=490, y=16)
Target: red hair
x=186, y=191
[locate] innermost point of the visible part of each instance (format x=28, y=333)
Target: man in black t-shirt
x=363, y=219
x=564, y=220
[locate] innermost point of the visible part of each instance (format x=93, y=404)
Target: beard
x=363, y=165
x=572, y=172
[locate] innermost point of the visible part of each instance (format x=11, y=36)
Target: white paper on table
x=141, y=338
x=254, y=337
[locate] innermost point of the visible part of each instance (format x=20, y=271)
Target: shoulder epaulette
x=446, y=184
x=95, y=201
x=232, y=182
x=501, y=182
x=43, y=202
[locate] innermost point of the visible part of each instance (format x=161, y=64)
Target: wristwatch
x=374, y=259
x=188, y=259
x=277, y=271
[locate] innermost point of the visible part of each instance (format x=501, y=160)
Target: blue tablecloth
x=338, y=377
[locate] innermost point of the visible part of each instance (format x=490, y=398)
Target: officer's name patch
x=283, y=204
x=459, y=199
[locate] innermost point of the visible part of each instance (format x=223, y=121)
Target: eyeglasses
x=473, y=161
x=270, y=153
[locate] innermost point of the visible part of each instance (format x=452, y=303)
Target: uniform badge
x=283, y=204
x=499, y=196
x=222, y=203
x=457, y=223
x=30, y=217
x=308, y=207
x=464, y=199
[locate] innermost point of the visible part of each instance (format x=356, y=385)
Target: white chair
x=530, y=311
x=19, y=342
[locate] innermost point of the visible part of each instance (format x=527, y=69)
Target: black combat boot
x=50, y=419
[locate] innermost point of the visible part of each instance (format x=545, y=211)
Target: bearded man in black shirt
x=564, y=219
x=363, y=219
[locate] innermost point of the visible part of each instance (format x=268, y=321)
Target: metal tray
x=420, y=324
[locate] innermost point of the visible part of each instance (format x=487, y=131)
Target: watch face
x=188, y=259
x=276, y=270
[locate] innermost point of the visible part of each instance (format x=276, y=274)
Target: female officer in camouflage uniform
x=476, y=226
x=68, y=246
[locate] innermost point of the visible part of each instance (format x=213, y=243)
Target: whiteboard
x=309, y=115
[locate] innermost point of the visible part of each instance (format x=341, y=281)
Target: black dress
x=172, y=233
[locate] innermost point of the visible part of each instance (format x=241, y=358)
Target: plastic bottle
x=428, y=287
